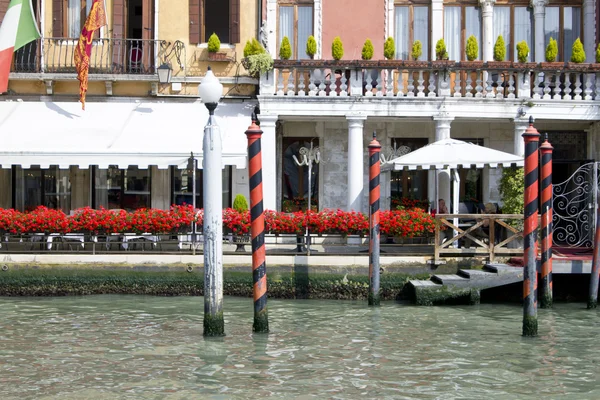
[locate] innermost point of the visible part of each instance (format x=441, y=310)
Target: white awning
x=117, y=133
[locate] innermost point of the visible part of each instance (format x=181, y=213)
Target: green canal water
x=136, y=347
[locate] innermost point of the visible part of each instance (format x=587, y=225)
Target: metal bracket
x=109, y=87
x=49, y=87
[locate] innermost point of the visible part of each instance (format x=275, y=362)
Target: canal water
x=132, y=347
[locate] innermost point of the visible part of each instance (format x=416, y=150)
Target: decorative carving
x=264, y=35
x=487, y=6
x=539, y=6
x=49, y=86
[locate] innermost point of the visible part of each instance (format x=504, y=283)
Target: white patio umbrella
x=453, y=154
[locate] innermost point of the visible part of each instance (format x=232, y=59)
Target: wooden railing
x=466, y=230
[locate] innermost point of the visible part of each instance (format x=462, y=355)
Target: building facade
x=133, y=144
x=408, y=102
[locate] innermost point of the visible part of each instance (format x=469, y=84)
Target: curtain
x=286, y=25
x=551, y=27
x=502, y=27
x=452, y=32
x=421, y=29
x=523, y=31
x=572, y=29
x=401, y=33
x=305, y=29
x=74, y=18
x=473, y=27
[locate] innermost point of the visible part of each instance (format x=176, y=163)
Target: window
x=34, y=187
x=563, y=24
x=471, y=184
x=295, y=22
x=214, y=16
x=459, y=24
x=127, y=189
x=514, y=23
x=182, y=187
x=77, y=12
x=408, y=184
x=411, y=24
x=295, y=178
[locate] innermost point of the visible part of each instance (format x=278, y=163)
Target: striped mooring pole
x=595, y=275
x=547, y=228
x=530, y=322
x=257, y=228
x=374, y=237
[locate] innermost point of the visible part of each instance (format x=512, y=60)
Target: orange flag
x=95, y=20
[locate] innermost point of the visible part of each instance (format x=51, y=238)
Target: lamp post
x=210, y=91
x=164, y=73
x=308, y=157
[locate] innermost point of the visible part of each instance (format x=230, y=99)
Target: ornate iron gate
x=574, y=203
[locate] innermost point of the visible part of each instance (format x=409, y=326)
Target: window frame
x=463, y=4
x=122, y=186
x=82, y=17
x=288, y=141
x=200, y=187
x=295, y=4
x=405, y=176
x=561, y=5
x=43, y=193
x=411, y=4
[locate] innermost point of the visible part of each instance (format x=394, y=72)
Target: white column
x=268, y=123
x=442, y=131
x=271, y=19
x=355, y=161
x=519, y=144
x=487, y=45
x=539, y=16
x=589, y=29
x=317, y=27
x=437, y=24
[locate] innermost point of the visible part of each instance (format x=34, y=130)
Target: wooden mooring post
x=546, y=199
x=595, y=274
x=374, y=238
x=530, y=215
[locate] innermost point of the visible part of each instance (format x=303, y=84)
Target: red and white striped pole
x=530, y=215
x=257, y=228
x=374, y=237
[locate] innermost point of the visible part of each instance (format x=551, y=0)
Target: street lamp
x=210, y=91
x=164, y=73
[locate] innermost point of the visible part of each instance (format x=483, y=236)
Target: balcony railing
x=109, y=56
x=402, y=79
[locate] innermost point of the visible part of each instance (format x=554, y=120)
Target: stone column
x=160, y=189
x=317, y=27
x=437, y=24
x=7, y=188
x=589, y=29
x=271, y=19
x=355, y=161
x=519, y=145
x=539, y=15
x=268, y=124
x=487, y=40
x=442, y=131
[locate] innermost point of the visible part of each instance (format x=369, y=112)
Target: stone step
x=502, y=268
x=423, y=284
x=476, y=273
x=451, y=279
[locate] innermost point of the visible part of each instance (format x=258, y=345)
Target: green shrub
x=253, y=47
x=258, y=64
x=440, y=50
x=512, y=187
x=551, y=50
x=522, y=51
x=367, y=50
x=417, y=50
x=214, y=44
x=337, y=48
x=499, y=49
x=285, y=50
x=240, y=203
x=598, y=53
x=389, y=48
x=311, y=46
x=578, y=54
x=472, y=48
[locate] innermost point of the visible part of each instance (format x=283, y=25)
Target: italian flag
x=18, y=28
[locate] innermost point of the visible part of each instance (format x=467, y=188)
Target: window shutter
x=195, y=21
x=118, y=14
x=58, y=18
x=234, y=21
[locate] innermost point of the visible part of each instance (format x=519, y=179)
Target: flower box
x=525, y=66
x=392, y=63
x=499, y=65
x=472, y=65
x=443, y=64
x=218, y=56
x=578, y=67
x=552, y=66
x=415, y=64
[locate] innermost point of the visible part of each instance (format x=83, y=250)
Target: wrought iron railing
x=109, y=56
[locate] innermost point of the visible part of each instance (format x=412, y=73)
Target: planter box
x=595, y=67
x=356, y=240
x=391, y=63
x=443, y=64
x=416, y=64
x=499, y=65
x=552, y=66
x=525, y=66
x=578, y=67
x=471, y=64
x=218, y=56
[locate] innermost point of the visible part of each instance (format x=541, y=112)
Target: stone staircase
x=465, y=285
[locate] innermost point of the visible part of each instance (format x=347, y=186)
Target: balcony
x=397, y=80
x=54, y=56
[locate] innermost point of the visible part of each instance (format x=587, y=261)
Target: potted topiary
x=311, y=47
x=472, y=52
x=337, y=49
x=596, y=66
x=389, y=53
x=523, y=55
x=499, y=62
x=577, y=61
x=550, y=57
x=214, y=45
x=240, y=204
x=256, y=60
x=441, y=56
x=367, y=54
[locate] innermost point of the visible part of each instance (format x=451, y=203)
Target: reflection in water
x=140, y=347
